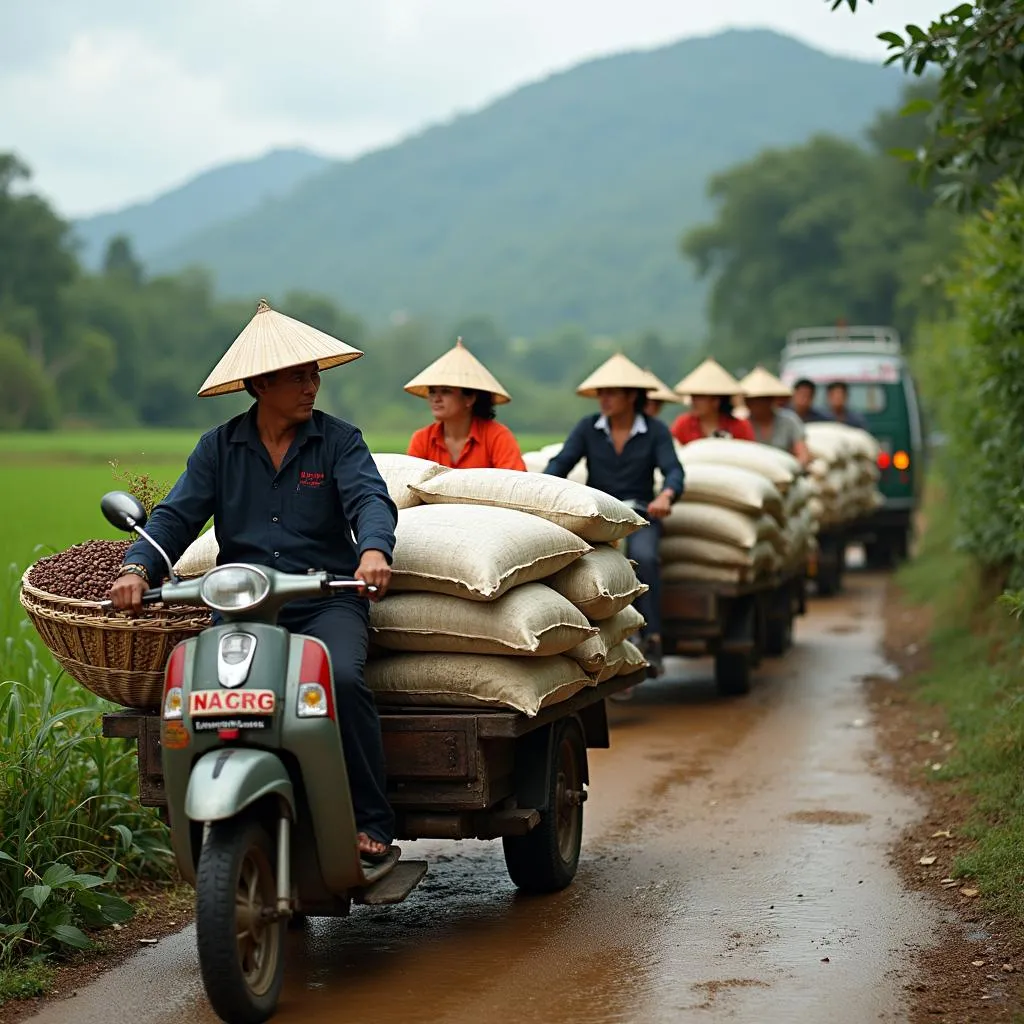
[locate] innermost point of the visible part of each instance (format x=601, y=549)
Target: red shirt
x=688, y=427
x=490, y=446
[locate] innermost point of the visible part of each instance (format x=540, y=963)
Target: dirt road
x=734, y=868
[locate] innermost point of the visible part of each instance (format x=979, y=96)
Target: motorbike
x=257, y=792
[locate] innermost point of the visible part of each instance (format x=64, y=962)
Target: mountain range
x=560, y=203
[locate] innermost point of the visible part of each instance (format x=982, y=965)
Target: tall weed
x=69, y=817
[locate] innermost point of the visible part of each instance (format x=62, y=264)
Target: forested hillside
x=559, y=204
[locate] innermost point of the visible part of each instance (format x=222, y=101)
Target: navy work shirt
x=629, y=476
x=297, y=518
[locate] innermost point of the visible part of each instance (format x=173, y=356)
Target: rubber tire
x=827, y=582
x=732, y=674
x=778, y=637
x=535, y=862
x=217, y=876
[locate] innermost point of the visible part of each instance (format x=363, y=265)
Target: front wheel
x=546, y=858
x=240, y=941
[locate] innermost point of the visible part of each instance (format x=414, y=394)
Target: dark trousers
x=642, y=548
x=342, y=624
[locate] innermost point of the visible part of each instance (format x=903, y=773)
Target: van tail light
x=884, y=460
x=901, y=461
x=316, y=697
x=174, y=678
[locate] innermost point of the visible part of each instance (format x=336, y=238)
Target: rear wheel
x=778, y=636
x=732, y=673
x=240, y=941
x=546, y=858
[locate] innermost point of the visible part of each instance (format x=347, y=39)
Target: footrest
x=395, y=885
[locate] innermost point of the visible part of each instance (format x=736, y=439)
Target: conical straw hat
x=661, y=392
x=617, y=372
x=272, y=341
x=709, y=379
x=457, y=368
x=759, y=383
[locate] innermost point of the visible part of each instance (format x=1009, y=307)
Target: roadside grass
x=975, y=673
x=71, y=828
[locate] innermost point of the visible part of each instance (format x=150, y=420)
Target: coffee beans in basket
x=84, y=571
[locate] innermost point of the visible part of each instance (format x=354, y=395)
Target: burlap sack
x=199, y=557
x=632, y=658
x=475, y=680
x=854, y=439
x=692, y=519
x=693, y=572
x=593, y=652
x=585, y=511
x=711, y=552
x=600, y=584
x=536, y=462
x=476, y=551
x=528, y=620
x=732, y=487
x=776, y=465
x=400, y=471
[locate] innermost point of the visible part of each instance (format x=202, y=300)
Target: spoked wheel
x=241, y=948
x=546, y=858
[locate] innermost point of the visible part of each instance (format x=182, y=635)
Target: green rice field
x=51, y=483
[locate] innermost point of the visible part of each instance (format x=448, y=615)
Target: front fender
x=226, y=781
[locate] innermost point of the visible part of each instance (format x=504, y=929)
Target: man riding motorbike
x=295, y=489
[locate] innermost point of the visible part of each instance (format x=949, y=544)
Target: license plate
x=230, y=703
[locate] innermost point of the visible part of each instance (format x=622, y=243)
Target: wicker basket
x=115, y=656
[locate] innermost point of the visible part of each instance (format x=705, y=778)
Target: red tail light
x=174, y=675
x=884, y=460
x=315, y=667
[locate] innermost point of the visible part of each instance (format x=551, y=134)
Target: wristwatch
x=134, y=569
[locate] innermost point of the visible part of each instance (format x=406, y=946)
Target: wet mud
x=735, y=868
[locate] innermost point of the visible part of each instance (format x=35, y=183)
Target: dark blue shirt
x=629, y=476
x=851, y=419
x=814, y=415
x=300, y=517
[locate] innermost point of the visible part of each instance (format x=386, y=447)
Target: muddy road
x=735, y=867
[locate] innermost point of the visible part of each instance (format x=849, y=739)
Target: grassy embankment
x=975, y=674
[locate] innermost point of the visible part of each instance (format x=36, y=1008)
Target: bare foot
x=370, y=848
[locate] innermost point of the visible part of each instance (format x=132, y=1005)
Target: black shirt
x=629, y=476
x=300, y=517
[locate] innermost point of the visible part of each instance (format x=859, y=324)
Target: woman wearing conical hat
x=294, y=489
x=781, y=428
x=464, y=435
x=659, y=394
x=623, y=447
x=711, y=389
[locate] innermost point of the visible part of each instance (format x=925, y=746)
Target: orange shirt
x=490, y=446
x=688, y=428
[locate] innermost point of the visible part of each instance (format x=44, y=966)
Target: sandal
x=371, y=856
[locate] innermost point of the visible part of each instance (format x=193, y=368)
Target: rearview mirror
x=123, y=510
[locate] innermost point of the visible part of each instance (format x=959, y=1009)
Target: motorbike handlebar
x=349, y=584
x=149, y=597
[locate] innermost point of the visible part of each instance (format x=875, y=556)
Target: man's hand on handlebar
x=126, y=593
x=374, y=571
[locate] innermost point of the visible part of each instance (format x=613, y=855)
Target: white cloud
x=113, y=100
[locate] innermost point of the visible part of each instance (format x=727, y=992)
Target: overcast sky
x=111, y=101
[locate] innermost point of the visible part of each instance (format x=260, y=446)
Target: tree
x=27, y=399
x=119, y=261
x=977, y=117
x=820, y=232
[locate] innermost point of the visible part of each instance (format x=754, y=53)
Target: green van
x=870, y=361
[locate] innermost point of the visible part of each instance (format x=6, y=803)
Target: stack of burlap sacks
x=843, y=474
x=507, y=589
x=745, y=513
x=743, y=517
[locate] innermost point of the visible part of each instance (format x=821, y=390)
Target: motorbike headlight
x=234, y=588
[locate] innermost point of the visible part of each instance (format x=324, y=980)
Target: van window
x=867, y=398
